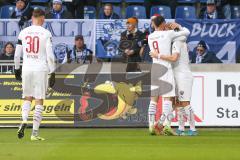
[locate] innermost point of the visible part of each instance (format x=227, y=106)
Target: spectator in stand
x=224, y=5
x=171, y=3
x=234, y=2
x=78, y=6
x=6, y=2
x=80, y=53
x=108, y=12
x=58, y=11
x=211, y=11
x=133, y=35
x=8, y=52
x=23, y=11
x=203, y=55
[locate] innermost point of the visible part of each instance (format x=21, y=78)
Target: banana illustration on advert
x=127, y=94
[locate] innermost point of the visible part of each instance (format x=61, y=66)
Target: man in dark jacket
x=203, y=55
x=78, y=6
x=132, y=53
x=234, y=2
x=224, y=5
x=80, y=53
x=108, y=12
x=23, y=11
x=211, y=11
x=5, y=2
x=58, y=11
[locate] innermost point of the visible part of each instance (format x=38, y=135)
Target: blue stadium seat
x=116, y=9
x=40, y=1
x=136, y=11
x=134, y=1
x=203, y=1
x=111, y=1
x=38, y=6
x=6, y=11
x=187, y=1
x=185, y=12
x=89, y=12
x=164, y=11
x=235, y=12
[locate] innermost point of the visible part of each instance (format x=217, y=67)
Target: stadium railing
x=6, y=66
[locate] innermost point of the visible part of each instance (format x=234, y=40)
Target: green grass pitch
x=120, y=144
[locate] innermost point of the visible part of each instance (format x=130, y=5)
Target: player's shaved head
x=38, y=13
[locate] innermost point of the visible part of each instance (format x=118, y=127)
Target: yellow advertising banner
x=55, y=111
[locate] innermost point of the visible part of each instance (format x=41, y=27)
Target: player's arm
x=182, y=31
x=167, y=57
x=17, y=60
x=50, y=56
x=171, y=58
x=176, y=50
x=17, y=54
x=50, y=61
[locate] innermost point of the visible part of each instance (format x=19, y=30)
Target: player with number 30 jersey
x=35, y=46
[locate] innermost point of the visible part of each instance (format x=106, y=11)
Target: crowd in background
x=57, y=9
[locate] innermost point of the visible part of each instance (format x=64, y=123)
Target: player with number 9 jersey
x=161, y=41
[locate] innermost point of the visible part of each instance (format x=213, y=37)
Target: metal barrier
x=6, y=66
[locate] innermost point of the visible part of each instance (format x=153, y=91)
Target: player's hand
x=22, y=21
x=174, y=26
x=131, y=52
x=168, y=26
x=127, y=52
x=52, y=80
x=18, y=74
x=69, y=56
x=154, y=54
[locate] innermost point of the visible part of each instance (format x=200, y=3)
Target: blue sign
x=221, y=36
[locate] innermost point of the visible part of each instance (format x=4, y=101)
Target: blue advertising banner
x=221, y=36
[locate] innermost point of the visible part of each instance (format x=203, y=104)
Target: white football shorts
x=34, y=84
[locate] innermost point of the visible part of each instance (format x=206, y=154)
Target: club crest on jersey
x=181, y=93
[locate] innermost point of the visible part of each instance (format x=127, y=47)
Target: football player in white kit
x=184, y=81
x=35, y=44
x=160, y=42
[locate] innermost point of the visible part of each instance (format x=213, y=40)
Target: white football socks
x=37, y=118
x=190, y=117
x=151, y=113
x=181, y=122
x=166, y=112
x=26, y=107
